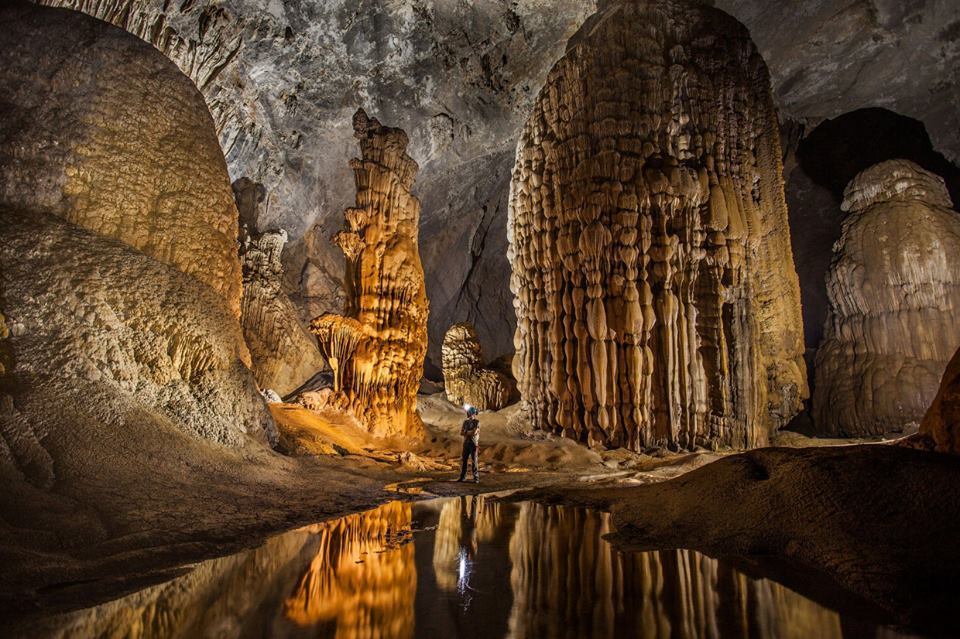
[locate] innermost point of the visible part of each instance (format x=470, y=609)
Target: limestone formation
x=119, y=276
x=656, y=297
x=376, y=350
x=70, y=131
x=894, y=289
x=465, y=379
x=941, y=423
x=284, y=354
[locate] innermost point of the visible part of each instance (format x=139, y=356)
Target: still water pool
x=464, y=567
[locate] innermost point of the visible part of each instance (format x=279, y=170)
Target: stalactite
x=465, y=379
x=894, y=290
x=656, y=297
x=381, y=342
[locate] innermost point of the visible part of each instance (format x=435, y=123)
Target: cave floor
x=88, y=538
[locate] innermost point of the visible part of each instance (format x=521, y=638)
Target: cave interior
x=677, y=280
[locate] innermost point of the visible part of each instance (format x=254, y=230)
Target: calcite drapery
x=377, y=349
x=894, y=289
x=465, y=380
x=656, y=297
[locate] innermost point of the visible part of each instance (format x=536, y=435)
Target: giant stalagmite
x=894, y=289
x=465, y=379
x=376, y=350
x=656, y=297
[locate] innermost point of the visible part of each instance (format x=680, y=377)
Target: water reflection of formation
x=362, y=579
x=475, y=568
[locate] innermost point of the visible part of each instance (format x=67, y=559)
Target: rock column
x=376, y=349
x=894, y=290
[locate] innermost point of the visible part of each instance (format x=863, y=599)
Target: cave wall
x=656, y=297
x=120, y=281
x=894, y=289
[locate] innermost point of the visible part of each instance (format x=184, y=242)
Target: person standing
x=470, y=431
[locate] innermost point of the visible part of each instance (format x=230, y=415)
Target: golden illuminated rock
x=942, y=421
x=118, y=262
x=376, y=349
x=130, y=154
x=283, y=352
x=894, y=289
x=656, y=297
x=465, y=380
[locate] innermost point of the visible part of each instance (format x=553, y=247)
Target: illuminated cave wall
x=118, y=267
x=656, y=297
x=376, y=350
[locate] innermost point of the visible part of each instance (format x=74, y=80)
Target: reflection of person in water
x=470, y=431
x=469, y=544
x=468, y=523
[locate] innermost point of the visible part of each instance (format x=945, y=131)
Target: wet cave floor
x=471, y=567
x=342, y=538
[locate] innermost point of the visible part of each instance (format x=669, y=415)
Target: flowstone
x=894, y=289
x=465, y=379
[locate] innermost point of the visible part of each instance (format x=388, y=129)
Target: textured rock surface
x=131, y=154
x=841, y=55
x=465, y=380
x=894, y=288
x=942, y=421
x=376, y=350
x=96, y=347
x=284, y=354
x=657, y=301
x=283, y=78
x=118, y=245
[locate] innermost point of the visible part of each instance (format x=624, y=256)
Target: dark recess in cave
x=838, y=149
